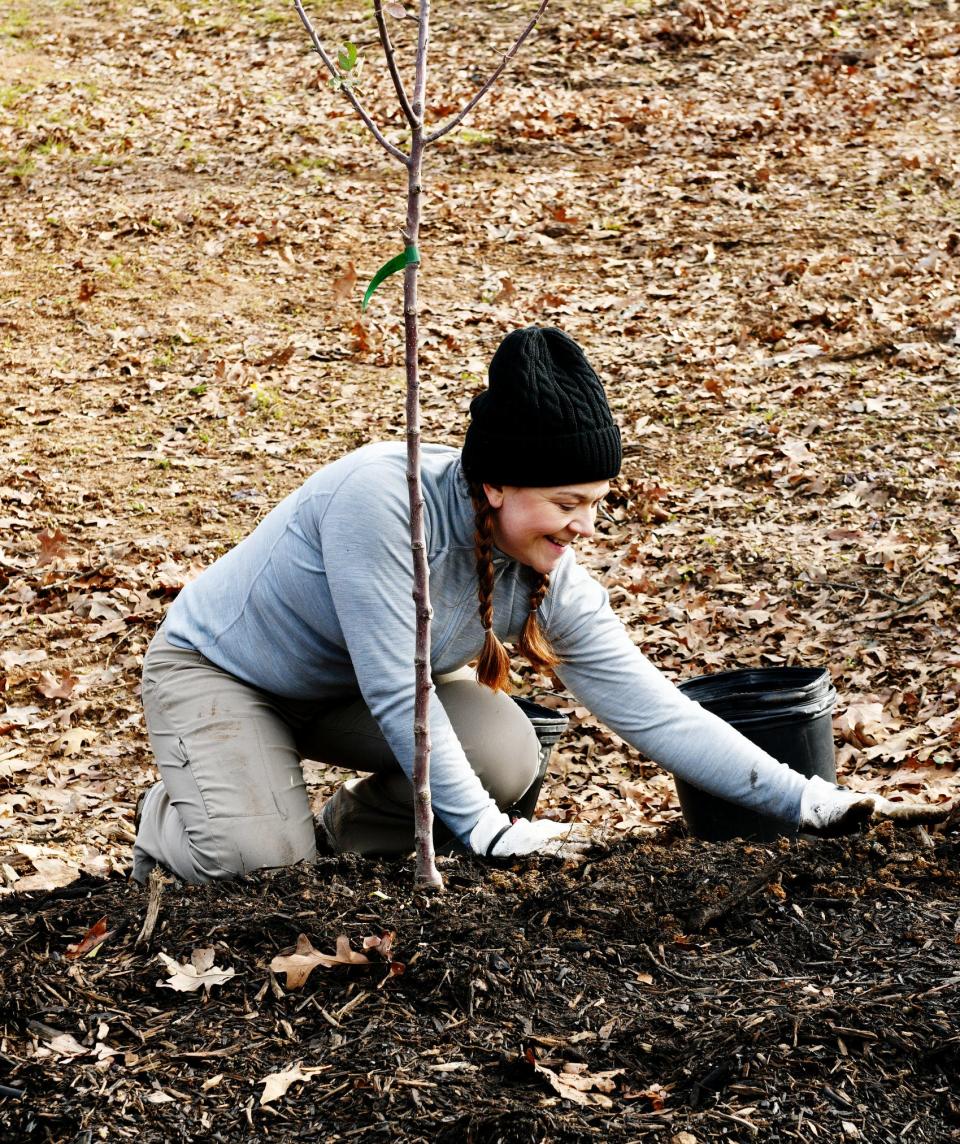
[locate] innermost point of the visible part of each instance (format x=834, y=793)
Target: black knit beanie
x=544, y=419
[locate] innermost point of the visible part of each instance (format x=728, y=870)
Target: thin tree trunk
x=413, y=110
x=426, y=869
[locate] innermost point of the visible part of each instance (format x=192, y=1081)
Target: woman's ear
x=494, y=495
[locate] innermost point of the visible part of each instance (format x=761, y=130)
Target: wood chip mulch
x=669, y=989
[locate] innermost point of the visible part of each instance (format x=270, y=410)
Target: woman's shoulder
x=384, y=455
x=375, y=477
x=387, y=459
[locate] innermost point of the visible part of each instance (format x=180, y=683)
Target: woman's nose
x=582, y=523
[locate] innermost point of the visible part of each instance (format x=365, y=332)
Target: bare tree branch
x=461, y=115
x=420, y=81
x=392, y=65
x=358, y=107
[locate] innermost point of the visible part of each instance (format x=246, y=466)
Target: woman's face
x=535, y=525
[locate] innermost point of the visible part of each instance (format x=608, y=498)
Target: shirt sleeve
x=365, y=539
x=610, y=675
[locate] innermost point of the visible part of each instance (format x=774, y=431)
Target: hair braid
x=533, y=640
x=493, y=666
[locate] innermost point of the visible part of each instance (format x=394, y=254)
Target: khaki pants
x=232, y=797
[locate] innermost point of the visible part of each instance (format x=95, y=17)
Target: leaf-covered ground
x=747, y=214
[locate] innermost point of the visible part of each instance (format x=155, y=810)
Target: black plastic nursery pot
x=549, y=725
x=788, y=711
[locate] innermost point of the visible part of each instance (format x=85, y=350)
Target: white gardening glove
x=495, y=836
x=828, y=809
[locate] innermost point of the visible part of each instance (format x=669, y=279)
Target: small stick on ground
x=155, y=883
x=905, y=606
x=700, y=919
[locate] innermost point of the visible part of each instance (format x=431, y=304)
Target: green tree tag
x=410, y=257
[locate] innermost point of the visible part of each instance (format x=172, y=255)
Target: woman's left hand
x=830, y=810
x=498, y=836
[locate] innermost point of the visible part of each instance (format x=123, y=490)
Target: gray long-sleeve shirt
x=317, y=603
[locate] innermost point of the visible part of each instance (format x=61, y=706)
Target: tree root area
x=668, y=989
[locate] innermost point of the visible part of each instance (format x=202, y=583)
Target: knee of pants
x=230, y=848
x=513, y=782
x=498, y=739
x=194, y=865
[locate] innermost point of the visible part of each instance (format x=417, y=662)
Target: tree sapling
x=344, y=74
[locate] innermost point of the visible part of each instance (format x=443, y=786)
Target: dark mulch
x=800, y=991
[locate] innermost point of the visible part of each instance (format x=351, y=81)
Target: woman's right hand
x=495, y=836
x=831, y=810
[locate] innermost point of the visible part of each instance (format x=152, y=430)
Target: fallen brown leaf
x=53, y=545
x=573, y=1082
x=95, y=936
x=304, y=959
x=198, y=973
x=54, y=688
x=276, y=1084
x=70, y=742
x=345, y=285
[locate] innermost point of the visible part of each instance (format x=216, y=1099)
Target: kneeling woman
x=299, y=643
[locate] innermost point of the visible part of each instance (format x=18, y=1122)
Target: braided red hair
x=493, y=667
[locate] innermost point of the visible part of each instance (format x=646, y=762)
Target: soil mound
x=794, y=991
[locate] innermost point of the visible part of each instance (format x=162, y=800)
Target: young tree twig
x=427, y=873
x=357, y=105
x=892, y=613
x=392, y=65
x=495, y=75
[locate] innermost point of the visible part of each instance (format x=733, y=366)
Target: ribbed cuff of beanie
x=529, y=460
